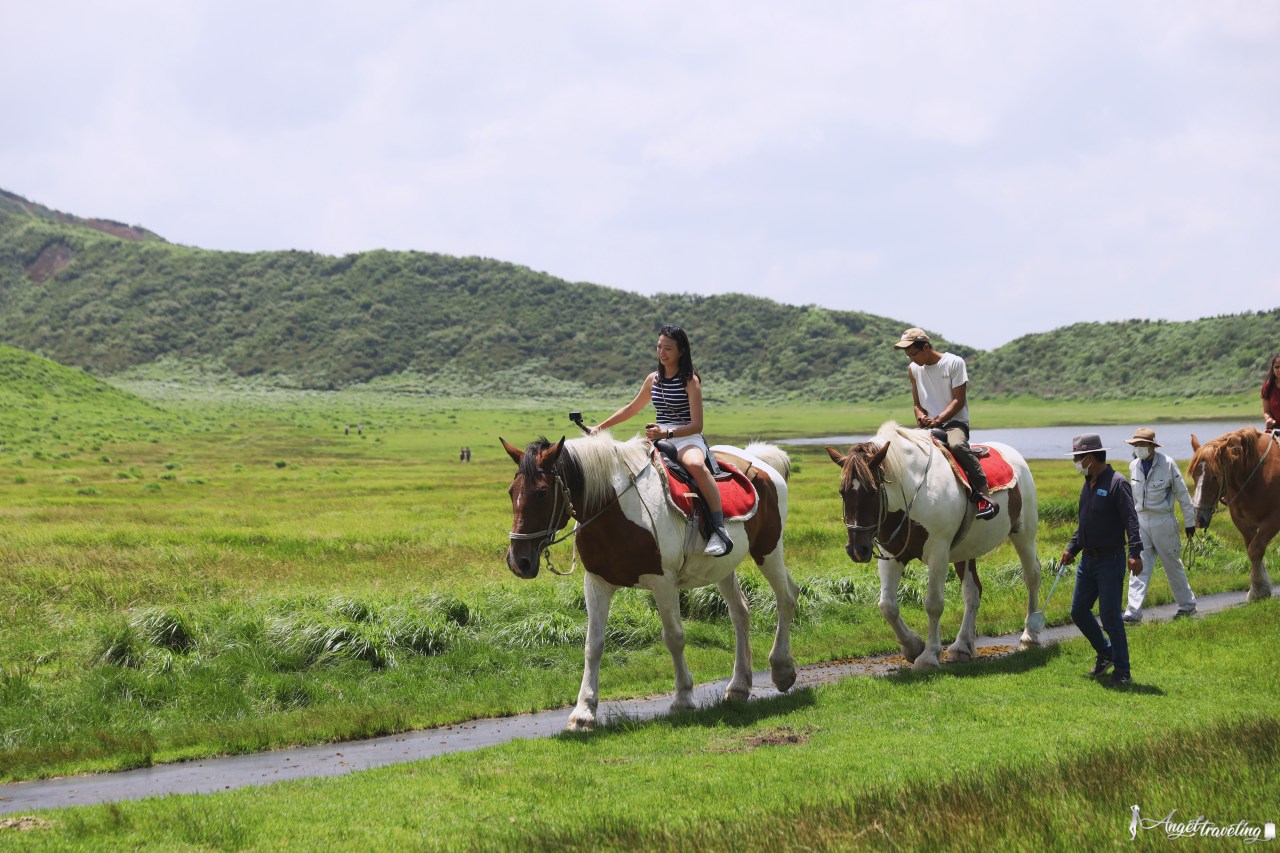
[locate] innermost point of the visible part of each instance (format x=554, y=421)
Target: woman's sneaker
x=719, y=544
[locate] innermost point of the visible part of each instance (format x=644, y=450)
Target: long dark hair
x=677, y=334
x=1269, y=385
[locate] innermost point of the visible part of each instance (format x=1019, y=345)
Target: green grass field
x=220, y=570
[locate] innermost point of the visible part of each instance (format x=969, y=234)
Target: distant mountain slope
x=1226, y=354
x=85, y=296
x=43, y=402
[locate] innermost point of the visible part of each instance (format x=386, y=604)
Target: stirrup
x=987, y=509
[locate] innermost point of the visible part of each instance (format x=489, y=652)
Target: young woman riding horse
x=676, y=391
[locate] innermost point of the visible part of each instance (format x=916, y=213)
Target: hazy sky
x=983, y=170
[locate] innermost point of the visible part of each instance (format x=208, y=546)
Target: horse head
x=1205, y=477
x=860, y=495
x=540, y=504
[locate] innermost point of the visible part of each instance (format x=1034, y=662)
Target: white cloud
x=1040, y=160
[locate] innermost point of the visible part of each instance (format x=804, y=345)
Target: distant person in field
x=939, y=388
x=462, y=454
x=1106, y=520
x=1157, y=485
x=468, y=454
x=1271, y=395
x=676, y=391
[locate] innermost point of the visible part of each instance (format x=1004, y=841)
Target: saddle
x=738, y=497
x=1000, y=474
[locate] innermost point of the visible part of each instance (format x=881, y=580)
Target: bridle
x=882, y=513
x=1222, y=482
x=561, y=495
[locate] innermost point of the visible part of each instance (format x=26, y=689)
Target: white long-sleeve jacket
x=1157, y=491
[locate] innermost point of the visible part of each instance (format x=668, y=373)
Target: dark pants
x=958, y=442
x=1100, y=578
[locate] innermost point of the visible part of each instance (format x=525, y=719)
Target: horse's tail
x=771, y=455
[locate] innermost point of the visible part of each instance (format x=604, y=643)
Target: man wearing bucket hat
x=1157, y=484
x=1106, y=519
x=939, y=387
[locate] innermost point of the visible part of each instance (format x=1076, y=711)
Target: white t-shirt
x=934, y=383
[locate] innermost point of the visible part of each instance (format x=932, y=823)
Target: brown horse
x=1241, y=471
x=629, y=534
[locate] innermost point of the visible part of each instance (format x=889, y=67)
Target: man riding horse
x=939, y=387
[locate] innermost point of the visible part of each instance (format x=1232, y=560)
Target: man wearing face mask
x=1157, y=484
x=1106, y=519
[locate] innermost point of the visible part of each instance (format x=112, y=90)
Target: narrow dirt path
x=237, y=771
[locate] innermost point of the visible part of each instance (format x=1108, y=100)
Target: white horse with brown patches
x=902, y=497
x=629, y=535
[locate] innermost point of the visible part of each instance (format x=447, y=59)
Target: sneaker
x=1103, y=664
x=1130, y=619
x=1184, y=613
x=986, y=509
x=1119, y=679
x=715, y=546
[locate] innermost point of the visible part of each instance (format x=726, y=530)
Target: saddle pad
x=999, y=472
x=736, y=493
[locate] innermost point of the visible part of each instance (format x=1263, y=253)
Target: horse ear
x=550, y=458
x=515, y=454
x=878, y=459
x=836, y=457
x=1195, y=442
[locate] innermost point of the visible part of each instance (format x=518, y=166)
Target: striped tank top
x=671, y=401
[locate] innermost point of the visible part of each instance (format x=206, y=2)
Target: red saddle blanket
x=999, y=472
x=736, y=493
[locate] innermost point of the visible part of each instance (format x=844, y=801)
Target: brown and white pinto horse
x=629, y=535
x=900, y=495
x=1241, y=470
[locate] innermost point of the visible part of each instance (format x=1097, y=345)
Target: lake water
x=1055, y=442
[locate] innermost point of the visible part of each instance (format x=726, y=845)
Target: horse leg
x=599, y=595
x=782, y=666
x=667, y=598
x=1024, y=542
x=965, y=646
x=909, y=641
x=1259, y=580
x=933, y=602
x=740, y=685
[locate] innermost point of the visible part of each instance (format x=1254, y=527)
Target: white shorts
x=683, y=441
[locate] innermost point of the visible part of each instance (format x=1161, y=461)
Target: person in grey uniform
x=1157, y=485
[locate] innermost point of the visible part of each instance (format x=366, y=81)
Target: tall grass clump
x=165, y=628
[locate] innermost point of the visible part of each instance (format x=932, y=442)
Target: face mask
x=1080, y=467
x=1142, y=452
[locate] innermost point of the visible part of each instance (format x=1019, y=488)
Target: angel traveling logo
x=1249, y=832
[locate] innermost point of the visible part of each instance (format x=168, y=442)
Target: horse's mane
x=1236, y=452
x=599, y=458
x=896, y=460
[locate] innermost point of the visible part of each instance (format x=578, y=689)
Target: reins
x=562, y=493
x=1222, y=486
x=883, y=513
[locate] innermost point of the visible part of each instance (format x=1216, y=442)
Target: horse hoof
x=784, y=679
x=1029, y=641
x=913, y=650
x=583, y=721
x=1258, y=594
x=682, y=703
x=924, y=664
x=955, y=655
x=737, y=694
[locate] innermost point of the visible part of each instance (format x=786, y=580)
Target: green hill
x=43, y=403
x=110, y=302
